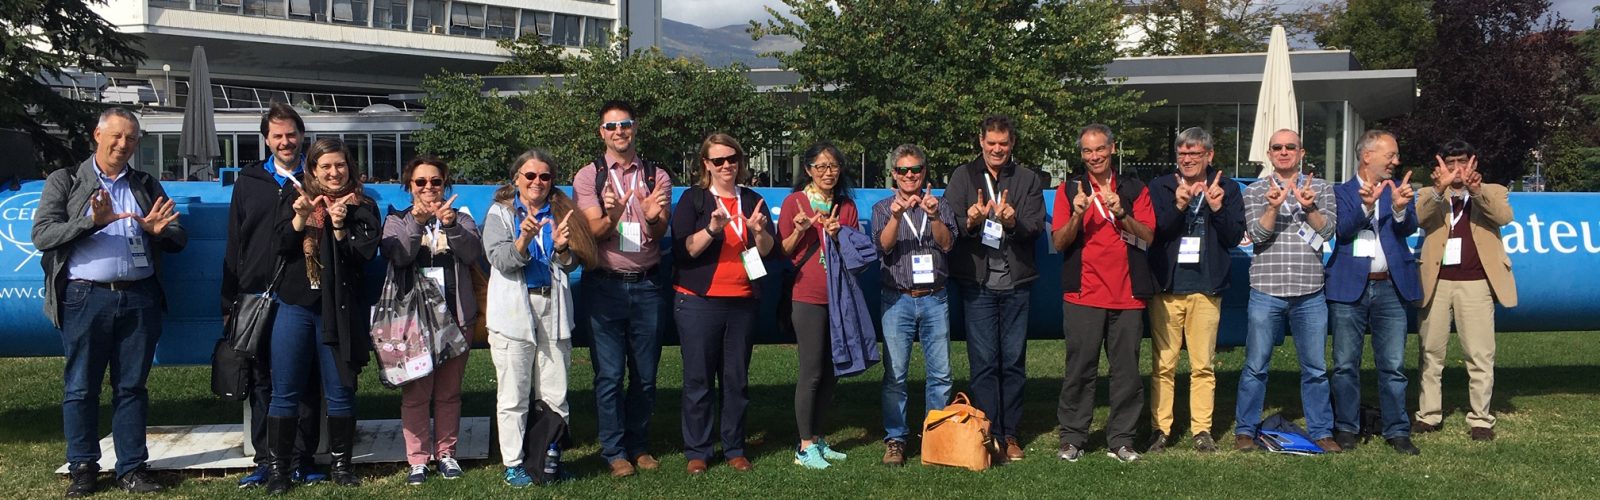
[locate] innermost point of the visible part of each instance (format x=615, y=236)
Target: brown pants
x=1471, y=304
x=1176, y=320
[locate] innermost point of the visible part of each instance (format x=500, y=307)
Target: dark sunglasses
x=624, y=124
x=1281, y=147
x=541, y=176
x=717, y=162
x=914, y=169
x=436, y=182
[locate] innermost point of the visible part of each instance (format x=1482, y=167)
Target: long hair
x=721, y=139
x=841, y=189
x=580, y=241
x=325, y=146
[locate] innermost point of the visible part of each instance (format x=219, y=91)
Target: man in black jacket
x=249, y=265
x=1199, y=216
x=999, y=211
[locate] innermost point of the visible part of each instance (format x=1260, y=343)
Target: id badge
x=632, y=236
x=921, y=269
x=419, y=366
x=436, y=274
x=1309, y=235
x=753, y=267
x=1189, y=250
x=1365, y=241
x=992, y=232
x=1452, y=252
x=136, y=248
x=1130, y=239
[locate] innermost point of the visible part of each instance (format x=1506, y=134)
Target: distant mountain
x=721, y=46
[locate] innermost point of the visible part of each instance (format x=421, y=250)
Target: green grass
x=1545, y=400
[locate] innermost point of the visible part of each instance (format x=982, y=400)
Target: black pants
x=813, y=389
x=715, y=334
x=1120, y=331
x=310, y=433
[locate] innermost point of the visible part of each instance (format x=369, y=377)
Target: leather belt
x=543, y=291
x=626, y=276
x=920, y=292
x=1384, y=276
x=115, y=286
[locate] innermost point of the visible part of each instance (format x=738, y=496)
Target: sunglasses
x=541, y=176
x=717, y=162
x=419, y=182
x=611, y=126
x=1281, y=147
x=914, y=169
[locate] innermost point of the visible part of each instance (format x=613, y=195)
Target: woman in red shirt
x=819, y=206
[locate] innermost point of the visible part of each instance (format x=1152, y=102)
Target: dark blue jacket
x=1347, y=274
x=850, y=324
x=1224, y=230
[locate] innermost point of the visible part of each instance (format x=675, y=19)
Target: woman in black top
x=328, y=231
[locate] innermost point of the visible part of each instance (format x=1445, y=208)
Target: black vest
x=1144, y=283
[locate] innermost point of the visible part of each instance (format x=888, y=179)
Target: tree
x=1191, y=27
x=1574, y=150
x=531, y=56
x=479, y=133
x=1381, y=34
x=41, y=38
x=879, y=73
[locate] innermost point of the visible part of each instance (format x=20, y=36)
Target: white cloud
x=718, y=13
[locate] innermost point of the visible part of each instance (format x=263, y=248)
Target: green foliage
x=884, y=72
x=1191, y=27
x=40, y=38
x=479, y=134
x=1381, y=34
x=530, y=56
x=1574, y=150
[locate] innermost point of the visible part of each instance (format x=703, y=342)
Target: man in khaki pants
x=1464, y=272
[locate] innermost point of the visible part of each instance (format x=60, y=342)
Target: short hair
x=1297, y=139
x=425, y=159
x=1194, y=136
x=1369, y=140
x=1457, y=147
x=280, y=111
x=999, y=123
x=911, y=150
x=123, y=113
x=616, y=105
x=722, y=139
x=1098, y=128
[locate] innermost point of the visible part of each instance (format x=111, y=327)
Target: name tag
x=921, y=269
x=1309, y=235
x=1130, y=239
x=1189, y=250
x=1452, y=252
x=419, y=366
x=753, y=267
x=632, y=236
x=436, y=274
x=1365, y=245
x=992, y=232
x=141, y=258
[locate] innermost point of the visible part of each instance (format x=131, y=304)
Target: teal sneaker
x=828, y=453
x=811, y=457
x=516, y=477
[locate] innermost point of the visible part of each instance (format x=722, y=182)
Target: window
x=315, y=10
x=536, y=22
x=596, y=31
x=426, y=14
x=249, y=149
x=385, y=156
x=502, y=22
x=267, y=8
x=567, y=30
x=170, y=4
x=149, y=157
x=360, y=158
x=466, y=19
x=350, y=12
x=225, y=6
x=390, y=14
x=170, y=161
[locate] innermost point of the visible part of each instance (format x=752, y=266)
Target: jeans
x=908, y=319
x=716, y=334
x=1307, y=317
x=1383, y=311
x=997, y=342
x=100, y=329
x=296, y=343
x=625, y=322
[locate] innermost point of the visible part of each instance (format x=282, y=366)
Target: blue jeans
x=624, y=320
x=1307, y=317
x=908, y=319
x=102, y=328
x=1382, y=310
x=296, y=343
x=997, y=342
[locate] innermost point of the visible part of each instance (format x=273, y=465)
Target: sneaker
x=307, y=475
x=257, y=477
x=894, y=452
x=1204, y=444
x=1070, y=453
x=449, y=468
x=1158, y=443
x=138, y=481
x=1123, y=454
x=828, y=453
x=1242, y=442
x=1403, y=445
x=419, y=474
x=811, y=457
x=516, y=477
x=83, y=475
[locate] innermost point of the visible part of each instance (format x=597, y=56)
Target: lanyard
x=735, y=219
x=1101, y=208
x=916, y=232
x=616, y=182
x=987, y=179
x=1453, y=216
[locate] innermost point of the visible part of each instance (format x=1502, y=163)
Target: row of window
x=426, y=16
x=377, y=154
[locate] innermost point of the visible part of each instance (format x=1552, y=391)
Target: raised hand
x=423, y=213
x=1443, y=176
x=900, y=205
x=1215, y=194
x=719, y=218
x=1307, y=196
x=1370, y=193
x=657, y=203
x=1474, y=178
x=757, y=221
x=1275, y=193
x=978, y=211
x=338, y=209
x=802, y=222
x=832, y=224
x=529, y=226
x=563, y=233
x=1111, y=200
x=1403, y=194
x=610, y=200
x=929, y=203
x=304, y=205
x=1080, y=201
x=1004, y=210
x=100, y=206
x=446, y=212
x=161, y=214
x=1182, y=195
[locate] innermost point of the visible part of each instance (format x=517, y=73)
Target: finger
x=760, y=205
x=980, y=196
x=1004, y=196
x=1218, y=179
x=565, y=219
x=1407, y=181
x=450, y=202
x=834, y=215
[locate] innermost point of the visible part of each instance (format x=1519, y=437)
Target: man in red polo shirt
x=1102, y=234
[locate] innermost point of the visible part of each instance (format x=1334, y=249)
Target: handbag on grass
x=957, y=436
x=252, y=317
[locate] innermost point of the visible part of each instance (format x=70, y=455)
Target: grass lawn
x=1544, y=398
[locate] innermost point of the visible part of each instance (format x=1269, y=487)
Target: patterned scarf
x=315, y=225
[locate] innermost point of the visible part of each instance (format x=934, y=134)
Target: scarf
x=310, y=244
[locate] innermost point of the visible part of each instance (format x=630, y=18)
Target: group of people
x=301, y=228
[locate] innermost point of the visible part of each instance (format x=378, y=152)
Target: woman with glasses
x=444, y=244
x=328, y=230
x=819, y=206
x=532, y=245
x=723, y=235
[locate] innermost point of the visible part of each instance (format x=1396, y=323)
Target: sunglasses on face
x=913, y=169
x=717, y=162
x=540, y=176
x=420, y=182
x=1282, y=147
x=612, y=126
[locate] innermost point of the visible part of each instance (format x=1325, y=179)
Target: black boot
x=280, y=441
x=341, y=440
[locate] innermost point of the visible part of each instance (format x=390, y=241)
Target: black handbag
x=231, y=377
x=252, y=318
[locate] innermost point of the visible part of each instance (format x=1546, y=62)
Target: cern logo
x=16, y=228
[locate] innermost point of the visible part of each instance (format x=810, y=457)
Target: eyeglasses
x=1192, y=154
x=717, y=162
x=541, y=176
x=420, y=182
x=913, y=169
x=826, y=167
x=612, y=126
x=1282, y=147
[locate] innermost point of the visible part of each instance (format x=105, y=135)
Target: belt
x=920, y=292
x=1384, y=276
x=543, y=290
x=115, y=286
x=626, y=276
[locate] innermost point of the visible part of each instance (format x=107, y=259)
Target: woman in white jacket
x=529, y=312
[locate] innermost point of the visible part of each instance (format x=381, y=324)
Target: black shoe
x=1158, y=443
x=138, y=481
x=1345, y=440
x=1403, y=445
x=280, y=443
x=1420, y=427
x=1203, y=443
x=341, y=441
x=83, y=475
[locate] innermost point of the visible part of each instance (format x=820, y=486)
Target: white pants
x=519, y=368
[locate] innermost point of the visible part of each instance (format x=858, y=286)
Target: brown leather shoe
x=646, y=461
x=621, y=468
x=1242, y=442
x=697, y=466
x=1481, y=433
x=1329, y=446
x=740, y=464
x=894, y=453
x=1420, y=427
x=1013, y=450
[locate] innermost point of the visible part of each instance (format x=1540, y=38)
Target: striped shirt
x=1284, y=265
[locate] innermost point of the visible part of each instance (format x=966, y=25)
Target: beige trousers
x=1176, y=320
x=519, y=368
x=1471, y=304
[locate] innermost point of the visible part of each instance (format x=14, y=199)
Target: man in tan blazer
x=1465, y=270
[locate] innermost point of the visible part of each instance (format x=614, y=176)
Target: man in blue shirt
x=101, y=227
